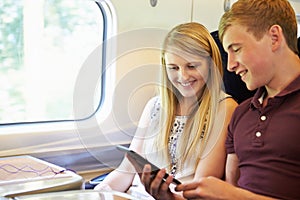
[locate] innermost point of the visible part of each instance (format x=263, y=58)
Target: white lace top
x=176, y=132
x=155, y=156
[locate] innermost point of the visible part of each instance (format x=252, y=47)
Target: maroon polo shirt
x=267, y=143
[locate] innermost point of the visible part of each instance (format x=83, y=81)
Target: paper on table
x=26, y=168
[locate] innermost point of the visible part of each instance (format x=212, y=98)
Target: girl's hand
x=156, y=186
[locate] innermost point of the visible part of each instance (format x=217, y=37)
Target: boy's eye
x=236, y=50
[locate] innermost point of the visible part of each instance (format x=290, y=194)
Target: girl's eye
x=194, y=65
x=172, y=67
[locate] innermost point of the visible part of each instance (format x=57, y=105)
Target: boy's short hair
x=259, y=15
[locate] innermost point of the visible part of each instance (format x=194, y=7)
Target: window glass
x=43, y=45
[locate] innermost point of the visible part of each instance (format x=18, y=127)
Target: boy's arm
x=232, y=172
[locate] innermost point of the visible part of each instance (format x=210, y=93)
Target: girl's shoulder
x=224, y=96
x=227, y=99
x=154, y=102
x=152, y=108
x=227, y=102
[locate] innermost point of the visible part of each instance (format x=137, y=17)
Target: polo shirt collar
x=294, y=86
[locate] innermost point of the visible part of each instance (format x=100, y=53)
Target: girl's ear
x=277, y=36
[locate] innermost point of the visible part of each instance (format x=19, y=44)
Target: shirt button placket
x=258, y=140
x=262, y=118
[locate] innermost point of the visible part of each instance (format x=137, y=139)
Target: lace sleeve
x=155, y=109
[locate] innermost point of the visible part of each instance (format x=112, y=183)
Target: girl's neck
x=185, y=107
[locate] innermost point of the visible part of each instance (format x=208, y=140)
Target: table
x=22, y=175
x=78, y=195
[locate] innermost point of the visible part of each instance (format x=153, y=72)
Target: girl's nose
x=183, y=73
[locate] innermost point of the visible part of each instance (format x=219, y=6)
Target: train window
x=43, y=46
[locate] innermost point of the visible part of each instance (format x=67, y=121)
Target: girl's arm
x=121, y=178
x=213, y=158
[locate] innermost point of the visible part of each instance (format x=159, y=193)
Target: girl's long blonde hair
x=192, y=38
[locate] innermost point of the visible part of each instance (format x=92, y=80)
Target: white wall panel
x=208, y=13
